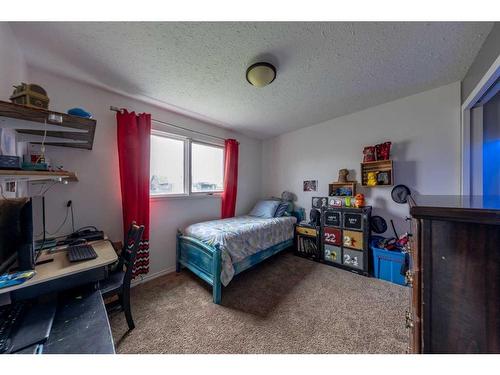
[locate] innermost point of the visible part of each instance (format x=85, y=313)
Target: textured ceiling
x=325, y=70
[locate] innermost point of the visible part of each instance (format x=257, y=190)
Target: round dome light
x=261, y=74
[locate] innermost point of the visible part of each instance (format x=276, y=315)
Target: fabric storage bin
x=353, y=258
x=332, y=236
x=387, y=265
x=353, y=220
x=332, y=218
x=333, y=254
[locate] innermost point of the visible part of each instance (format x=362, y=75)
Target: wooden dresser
x=454, y=275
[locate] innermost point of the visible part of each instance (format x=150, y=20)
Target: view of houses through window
x=170, y=170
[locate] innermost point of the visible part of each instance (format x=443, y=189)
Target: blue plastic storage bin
x=387, y=264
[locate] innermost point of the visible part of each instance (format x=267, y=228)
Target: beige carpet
x=285, y=305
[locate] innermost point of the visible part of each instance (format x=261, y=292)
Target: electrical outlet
x=10, y=187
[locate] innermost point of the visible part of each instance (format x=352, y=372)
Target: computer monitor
x=16, y=234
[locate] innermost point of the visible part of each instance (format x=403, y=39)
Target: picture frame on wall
x=319, y=202
x=310, y=185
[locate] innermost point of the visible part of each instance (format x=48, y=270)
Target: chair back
x=129, y=251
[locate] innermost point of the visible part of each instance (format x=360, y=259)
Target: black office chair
x=118, y=282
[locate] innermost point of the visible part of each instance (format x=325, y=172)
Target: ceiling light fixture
x=261, y=74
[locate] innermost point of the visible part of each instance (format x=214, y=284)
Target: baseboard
x=151, y=276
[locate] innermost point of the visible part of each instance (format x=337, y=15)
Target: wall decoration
x=319, y=202
x=311, y=185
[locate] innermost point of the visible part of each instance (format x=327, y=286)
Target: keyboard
x=10, y=315
x=78, y=253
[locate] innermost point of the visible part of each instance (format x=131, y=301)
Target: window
x=167, y=165
x=207, y=168
x=181, y=167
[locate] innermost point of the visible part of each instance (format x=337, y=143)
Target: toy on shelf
x=334, y=202
x=359, y=200
x=30, y=95
x=368, y=154
x=343, y=173
x=347, y=201
x=372, y=179
x=383, y=151
x=80, y=112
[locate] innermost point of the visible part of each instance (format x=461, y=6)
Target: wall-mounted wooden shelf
x=30, y=123
x=333, y=188
x=9, y=175
x=377, y=166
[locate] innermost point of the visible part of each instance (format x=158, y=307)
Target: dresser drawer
x=306, y=231
x=353, y=258
x=333, y=254
x=353, y=239
x=332, y=236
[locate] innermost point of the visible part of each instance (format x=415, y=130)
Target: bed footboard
x=201, y=259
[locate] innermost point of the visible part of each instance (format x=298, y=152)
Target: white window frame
x=188, y=193
x=204, y=193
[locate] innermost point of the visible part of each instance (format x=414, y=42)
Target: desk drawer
x=306, y=231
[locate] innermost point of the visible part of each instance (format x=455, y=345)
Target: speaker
x=26, y=249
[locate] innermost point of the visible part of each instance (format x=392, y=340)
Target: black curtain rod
x=116, y=109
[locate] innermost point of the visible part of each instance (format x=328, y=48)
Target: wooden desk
x=60, y=274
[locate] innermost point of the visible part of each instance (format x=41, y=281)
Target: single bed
x=218, y=250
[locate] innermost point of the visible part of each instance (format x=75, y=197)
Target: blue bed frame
x=205, y=261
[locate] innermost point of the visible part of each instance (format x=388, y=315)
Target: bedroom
x=182, y=136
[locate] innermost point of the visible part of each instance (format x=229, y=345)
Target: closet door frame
x=476, y=97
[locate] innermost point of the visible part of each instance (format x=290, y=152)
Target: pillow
x=265, y=209
x=282, y=209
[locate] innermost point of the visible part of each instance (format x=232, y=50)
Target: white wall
x=97, y=198
x=12, y=72
x=424, y=129
x=12, y=64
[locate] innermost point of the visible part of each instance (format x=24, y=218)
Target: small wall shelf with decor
x=61, y=129
x=342, y=189
x=9, y=175
x=377, y=173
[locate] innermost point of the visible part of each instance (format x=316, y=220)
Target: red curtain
x=134, y=137
x=230, y=178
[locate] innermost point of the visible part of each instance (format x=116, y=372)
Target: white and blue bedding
x=242, y=236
